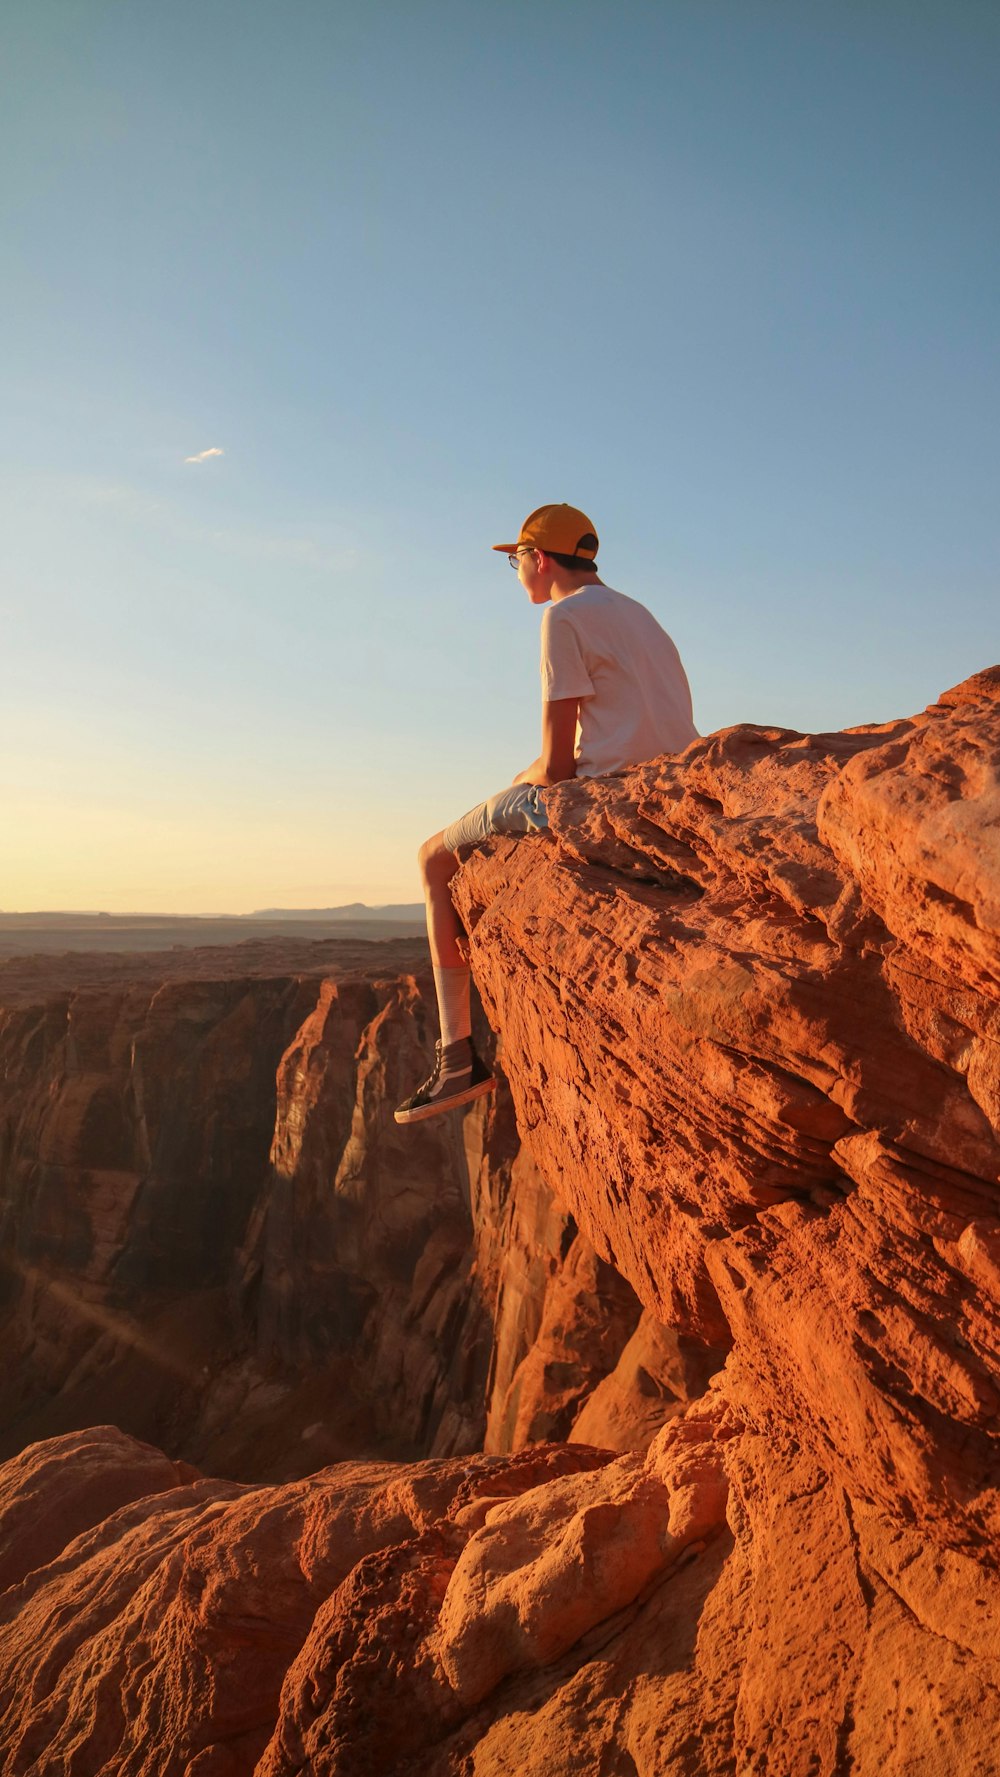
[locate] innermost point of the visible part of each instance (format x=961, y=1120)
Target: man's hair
x=577, y=564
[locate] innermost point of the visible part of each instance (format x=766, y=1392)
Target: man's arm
x=557, y=759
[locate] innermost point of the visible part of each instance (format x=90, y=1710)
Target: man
x=614, y=693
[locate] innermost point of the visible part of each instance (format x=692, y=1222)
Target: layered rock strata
x=749, y=1002
x=212, y=1231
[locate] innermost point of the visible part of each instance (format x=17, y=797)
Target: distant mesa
x=409, y=911
x=355, y=910
x=22, y=934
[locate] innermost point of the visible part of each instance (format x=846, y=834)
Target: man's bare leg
x=437, y=867
x=452, y=976
x=459, y=1076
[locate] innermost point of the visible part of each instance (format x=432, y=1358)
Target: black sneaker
x=459, y=1076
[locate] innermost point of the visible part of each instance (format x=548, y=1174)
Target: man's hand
x=557, y=760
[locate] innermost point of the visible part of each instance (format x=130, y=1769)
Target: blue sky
x=723, y=273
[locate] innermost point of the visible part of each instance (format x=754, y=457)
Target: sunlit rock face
x=747, y=1002
x=754, y=1046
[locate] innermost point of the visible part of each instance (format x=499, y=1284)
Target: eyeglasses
x=515, y=559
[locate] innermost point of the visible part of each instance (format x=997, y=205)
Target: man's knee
x=436, y=862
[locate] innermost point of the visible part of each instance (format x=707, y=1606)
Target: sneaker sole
x=449, y=1104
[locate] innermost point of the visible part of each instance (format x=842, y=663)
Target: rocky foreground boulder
x=748, y=1005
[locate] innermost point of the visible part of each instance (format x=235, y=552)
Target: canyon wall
x=749, y=1011
x=213, y=1233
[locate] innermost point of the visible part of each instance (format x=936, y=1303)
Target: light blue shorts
x=518, y=809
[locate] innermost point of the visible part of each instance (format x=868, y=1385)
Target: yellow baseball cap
x=561, y=530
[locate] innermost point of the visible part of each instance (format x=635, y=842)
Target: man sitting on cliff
x=614, y=694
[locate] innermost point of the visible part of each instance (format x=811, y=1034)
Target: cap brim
x=504, y=548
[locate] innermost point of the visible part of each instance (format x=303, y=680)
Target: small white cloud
x=203, y=455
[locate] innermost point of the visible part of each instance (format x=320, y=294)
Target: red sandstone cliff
x=750, y=1013
x=213, y=1233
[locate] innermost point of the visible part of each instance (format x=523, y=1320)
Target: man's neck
x=564, y=586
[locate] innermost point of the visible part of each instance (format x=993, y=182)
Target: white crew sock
x=452, y=988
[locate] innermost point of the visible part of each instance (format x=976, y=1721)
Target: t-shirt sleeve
x=564, y=671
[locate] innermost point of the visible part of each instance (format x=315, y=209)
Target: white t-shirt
x=611, y=653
